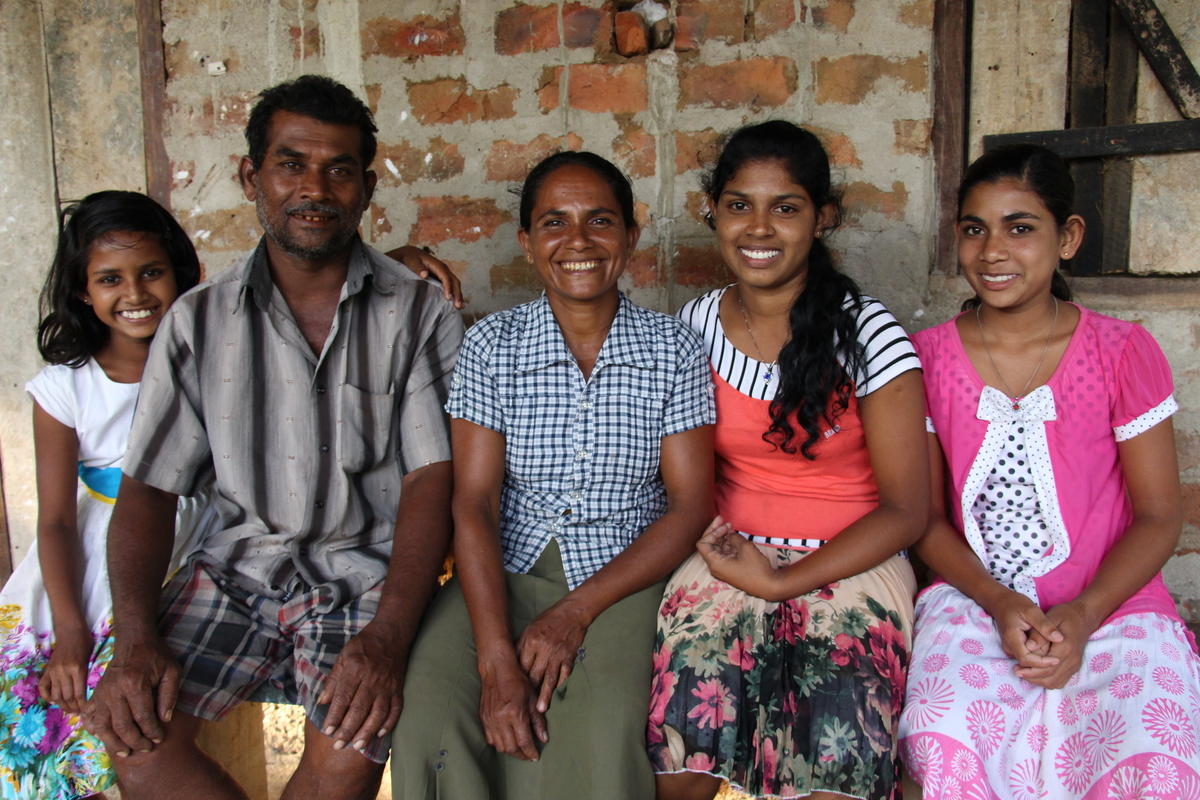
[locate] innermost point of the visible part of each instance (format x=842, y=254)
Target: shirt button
x=581, y=454
x=585, y=404
x=576, y=495
x=319, y=504
x=320, y=390
x=324, y=448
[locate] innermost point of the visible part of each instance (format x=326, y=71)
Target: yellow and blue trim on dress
x=101, y=482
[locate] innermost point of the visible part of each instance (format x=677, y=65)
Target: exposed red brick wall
x=414, y=38
x=453, y=100
x=467, y=101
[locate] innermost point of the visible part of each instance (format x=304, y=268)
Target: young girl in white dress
x=120, y=263
x=1051, y=662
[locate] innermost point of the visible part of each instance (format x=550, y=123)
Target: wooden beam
x=5, y=544
x=154, y=99
x=951, y=32
x=1085, y=109
x=1148, y=138
x=1120, y=108
x=1164, y=54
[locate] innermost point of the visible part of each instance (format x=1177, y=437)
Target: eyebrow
x=776, y=198
x=560, y=212
x=1013, y=217
x=287, y=152
x=100, y=273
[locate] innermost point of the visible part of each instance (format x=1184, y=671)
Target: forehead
x=575, y=184
x=1003, y=197
x=768, y=177
x=117, y=249
x=305, y=134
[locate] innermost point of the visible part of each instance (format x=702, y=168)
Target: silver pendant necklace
x=1015, y=398
x=772, y=366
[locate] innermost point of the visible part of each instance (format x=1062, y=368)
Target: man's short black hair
x=316, y=96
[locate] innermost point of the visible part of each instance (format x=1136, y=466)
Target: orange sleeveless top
x=764, y=491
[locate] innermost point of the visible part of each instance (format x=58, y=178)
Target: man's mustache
x=315, y=209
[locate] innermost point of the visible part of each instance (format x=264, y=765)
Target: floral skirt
x=1127, y=725
x=783, y=699
x=45, y=753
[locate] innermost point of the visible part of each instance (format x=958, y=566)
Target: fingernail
x=361, y=744
x=122, y=754
x=382, y=733
x=157, y=741
x=167, y=716
x=329, y=730
x=339, y=744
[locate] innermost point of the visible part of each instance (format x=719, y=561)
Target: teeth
x=996, y=278
x=142, y=313
x=759, y=254
x=578, y=266
x=308, y=218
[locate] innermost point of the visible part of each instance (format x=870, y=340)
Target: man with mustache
x=308, y=384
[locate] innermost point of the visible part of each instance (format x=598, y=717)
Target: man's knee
x=341, y=767
x=171, y=757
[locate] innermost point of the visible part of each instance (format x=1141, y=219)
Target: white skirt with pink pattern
x=1127, y=725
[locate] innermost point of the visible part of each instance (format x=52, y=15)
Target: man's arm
x=365, y=687
x=138, y=691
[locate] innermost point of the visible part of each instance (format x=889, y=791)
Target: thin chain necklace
x=1015, y=398
x=771, y=367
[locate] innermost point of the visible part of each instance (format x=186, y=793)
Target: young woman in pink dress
x=1049, y=660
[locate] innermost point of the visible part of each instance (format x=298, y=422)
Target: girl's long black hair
x=1044, y=173
x=823, y=354
x=69, y=332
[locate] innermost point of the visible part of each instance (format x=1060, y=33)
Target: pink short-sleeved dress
x=1039, y=495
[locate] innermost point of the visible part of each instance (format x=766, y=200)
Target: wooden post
x=1085, y=109
x=951, y=29
x=236, y=743
x=5, y=546
x=154, y=97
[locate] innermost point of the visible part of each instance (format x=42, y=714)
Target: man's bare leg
x=176, y=769
x=330, y=774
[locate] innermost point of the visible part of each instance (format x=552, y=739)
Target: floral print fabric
x=783, y=699
x=45, y=752
x=1127, y=725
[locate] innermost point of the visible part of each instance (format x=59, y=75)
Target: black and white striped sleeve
x=888, y=353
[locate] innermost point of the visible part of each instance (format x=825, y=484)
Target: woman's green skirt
x=596, y=721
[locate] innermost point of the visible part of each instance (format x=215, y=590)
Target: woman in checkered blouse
x=582, y=436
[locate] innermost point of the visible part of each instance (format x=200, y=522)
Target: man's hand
x=364, y=689
x=508, y=709
x=135, y=698
x=426, y=264
x=64, y=681
x=732, y=558
x=548, y=646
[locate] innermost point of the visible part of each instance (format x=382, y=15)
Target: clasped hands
x=1047, y=646
x=518, y=682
